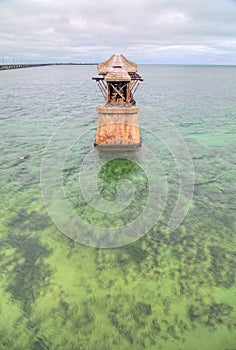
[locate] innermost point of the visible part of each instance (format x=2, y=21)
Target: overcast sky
x=146, y=31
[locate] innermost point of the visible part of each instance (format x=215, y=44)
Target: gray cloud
x=155, y=31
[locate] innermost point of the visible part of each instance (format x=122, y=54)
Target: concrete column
x=118, y=126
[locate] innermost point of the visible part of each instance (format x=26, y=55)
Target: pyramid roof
x=116, y=61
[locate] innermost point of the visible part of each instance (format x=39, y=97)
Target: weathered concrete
x=118, y=126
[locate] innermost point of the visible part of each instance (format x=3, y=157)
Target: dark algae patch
x=31, y=221
x=30, y=275
x=135, y=252
x=211, y=315
x=223, y=266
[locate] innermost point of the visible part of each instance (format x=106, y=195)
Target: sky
x=145, y=31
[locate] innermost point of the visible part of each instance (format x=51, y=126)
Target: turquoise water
x=168, y=290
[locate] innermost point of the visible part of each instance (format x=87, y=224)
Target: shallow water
x=168, y=290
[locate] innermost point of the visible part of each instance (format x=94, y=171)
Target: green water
x=167, y=290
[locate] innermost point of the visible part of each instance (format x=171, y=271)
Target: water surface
x=168, y=290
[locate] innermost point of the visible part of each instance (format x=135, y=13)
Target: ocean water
x=170, y=287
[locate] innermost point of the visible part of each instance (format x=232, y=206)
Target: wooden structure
x=118, y=119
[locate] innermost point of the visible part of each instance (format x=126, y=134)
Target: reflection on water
x=167, y=290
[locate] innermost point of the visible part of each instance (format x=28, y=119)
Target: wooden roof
x=117, y=74
x=117, y=61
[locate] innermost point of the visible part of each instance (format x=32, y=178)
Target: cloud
x=154, y=31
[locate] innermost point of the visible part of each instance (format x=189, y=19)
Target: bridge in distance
x=30, y=65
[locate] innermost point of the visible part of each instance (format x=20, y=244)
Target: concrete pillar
x=118, y=126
